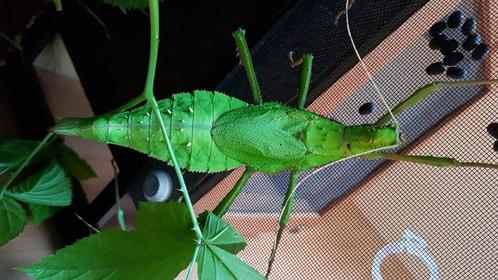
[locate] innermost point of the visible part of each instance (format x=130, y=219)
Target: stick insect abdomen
x=188, y=117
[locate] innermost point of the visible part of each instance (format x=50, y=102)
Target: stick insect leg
x=430, y=160
x=119, y=211
x=130, y=104
x=425, y=91
x=305, y=80
x=227, y=201
x=284, y=217
x=245, y=57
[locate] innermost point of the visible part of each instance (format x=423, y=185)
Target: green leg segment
x=246, y=59
x=284, y=217
x=290, y=195
x=119, y=210
x=305, y=80
x=430, y=160
x=224, y=205
x=132, y=103
x=245, y=56
x=425, y=91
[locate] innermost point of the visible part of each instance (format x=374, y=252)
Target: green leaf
x=40, y=213
x=216, y=263
x=223, y=235
x=15, y=151
x=49, y=186
x=12, y=219
x=151, y=217
x=160, y=247
x=128, y=4
x=72, y=162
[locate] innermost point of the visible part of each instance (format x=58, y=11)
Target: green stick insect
x=213, y=132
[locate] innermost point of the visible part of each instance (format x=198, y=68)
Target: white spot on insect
x=147, y=139
x=190, y=109
x=182, y=121
x=189, y=144
x=169, y=111
x=181, y=129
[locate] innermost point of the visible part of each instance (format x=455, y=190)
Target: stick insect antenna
x=382, y=98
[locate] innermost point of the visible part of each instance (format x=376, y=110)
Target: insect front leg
x=425, y=91
x=305, y=80
x=430, y=160
x=284, y=217
x=245, y=57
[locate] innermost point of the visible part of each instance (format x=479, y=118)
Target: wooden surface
x=28, y=248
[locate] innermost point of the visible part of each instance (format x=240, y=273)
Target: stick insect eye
x=402, y=138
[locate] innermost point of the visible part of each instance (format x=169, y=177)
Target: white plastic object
x=412, y=244
x=157, y=186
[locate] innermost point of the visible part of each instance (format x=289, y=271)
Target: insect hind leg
x=430, y=160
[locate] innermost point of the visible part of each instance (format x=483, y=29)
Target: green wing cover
x=264, y=137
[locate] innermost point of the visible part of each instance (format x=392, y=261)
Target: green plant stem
x=194, y=259
x=10, y=41
x=154, y=47
x=25, y=163
x=183, y=187
x=149, y=96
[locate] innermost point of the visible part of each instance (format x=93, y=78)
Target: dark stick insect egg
x=492, y=129
x=455, y=19
x=471, y=42
x=495, y=146
x=367, y=108
x=469, y=26
x=437, y=28
x=435, y=68
x=453, y=58
x=449, y=46
x=455, y=72
x=480, y=52
x=437, y=42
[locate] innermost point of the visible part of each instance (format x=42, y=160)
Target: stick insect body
x=212, y=132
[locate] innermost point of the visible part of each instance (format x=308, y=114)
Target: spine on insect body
x=188, y=117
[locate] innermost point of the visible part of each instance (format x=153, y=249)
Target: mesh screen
x=347, y=213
